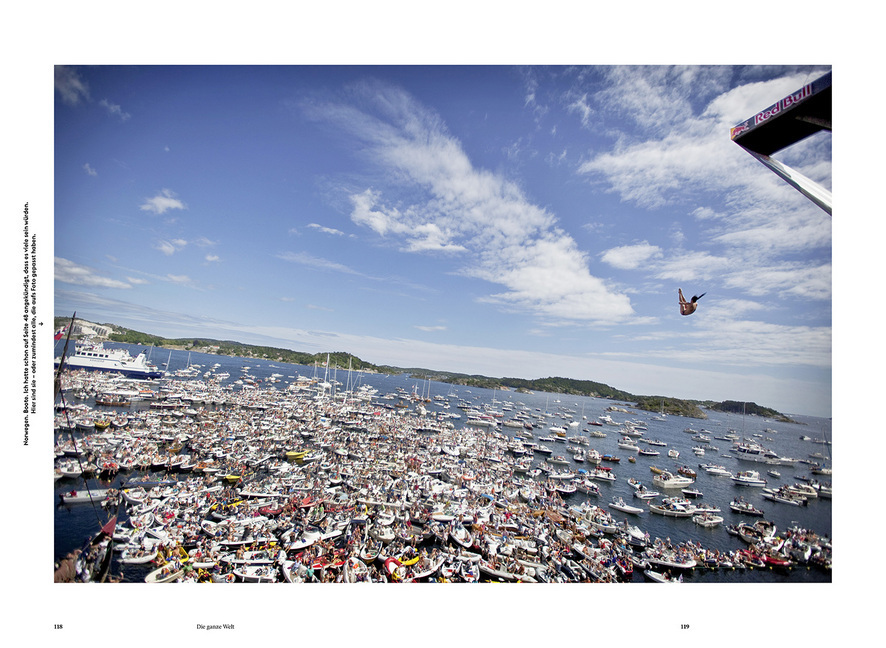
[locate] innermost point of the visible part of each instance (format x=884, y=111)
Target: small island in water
x=343, y=360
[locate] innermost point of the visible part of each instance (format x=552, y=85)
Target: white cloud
x=67, y=271
x=655, y=97
x=89, y=170
x=430, y=329
x=420, y=236
x=70, y=86
x=787, y=279
x=114, y=110
x=453, y=207
x=688, y=153
x=170, y=247
x=162, y=202
x=692, y=266
x=211, y=258
x=165, y=247
x=630, y=257
x=303, y=258
x=580, y=105
x=747, y=219
x=325, y=230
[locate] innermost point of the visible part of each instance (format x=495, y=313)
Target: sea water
x=74, y=524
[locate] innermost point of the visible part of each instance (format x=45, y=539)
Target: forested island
x=751, y=409
x=344, y=360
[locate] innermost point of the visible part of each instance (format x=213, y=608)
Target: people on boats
x=500, y=526
x=688, y=307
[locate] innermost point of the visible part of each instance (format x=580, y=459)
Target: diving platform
x=793, y=118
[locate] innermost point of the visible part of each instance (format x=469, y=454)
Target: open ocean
x=74, y=524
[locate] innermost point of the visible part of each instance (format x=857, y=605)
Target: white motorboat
x=256, y=573
x=629, y=444
x=307, y=538
x=78, y=497
x=601, y=473
x=661, y=577
x=748, y=478
x=383, y=534
x=427, y=567
x=715, y=470
x=619, y=505
x=783, y=497
x=646, y=494
x=587, y=487
x=461, y=536
x=70, y=468
x=94, y=356
x=803, y=490
x=140, y=554
x=666, y=479
x=593, y=456
x=707, y=519
x=673, y=507
x=670, y=560
x=740, y=506
x=564, y=488
x=164, y=574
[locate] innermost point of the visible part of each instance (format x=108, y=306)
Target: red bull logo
x=735, y=131
x=784, y=104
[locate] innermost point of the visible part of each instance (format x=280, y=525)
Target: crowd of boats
x=303, y=485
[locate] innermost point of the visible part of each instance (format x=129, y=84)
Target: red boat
x=324, y=562
x=751, y=559
x=625, y=567
x=308, y=501
x=776, y=560
x=395, y=569
x=271, y=511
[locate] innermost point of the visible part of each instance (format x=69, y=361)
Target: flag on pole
x=59, y=334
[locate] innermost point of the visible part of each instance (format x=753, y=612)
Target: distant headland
x=343, y=360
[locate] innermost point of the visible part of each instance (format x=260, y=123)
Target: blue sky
x=508, y=221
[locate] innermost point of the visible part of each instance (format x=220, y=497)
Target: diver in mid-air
x=688, y=307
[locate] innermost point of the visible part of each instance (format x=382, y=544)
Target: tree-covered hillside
x=342, y=360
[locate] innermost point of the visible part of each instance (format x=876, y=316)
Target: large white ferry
x=96, y=357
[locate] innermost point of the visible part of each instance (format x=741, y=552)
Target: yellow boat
x=409, y=562
x=232, y=478
x=168, y=554
x=657, y=471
